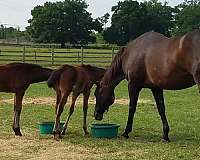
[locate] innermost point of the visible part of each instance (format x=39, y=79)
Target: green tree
x=160, y=17
x=104, y=19
x=188, y=17
x=9, y=32
x=131, y=19
x=62, y=22
x=2, y=32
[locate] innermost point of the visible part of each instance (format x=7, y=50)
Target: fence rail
x=53, y=56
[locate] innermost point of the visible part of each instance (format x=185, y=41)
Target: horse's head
x=104, y=98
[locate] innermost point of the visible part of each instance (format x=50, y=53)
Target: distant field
x=183, y=112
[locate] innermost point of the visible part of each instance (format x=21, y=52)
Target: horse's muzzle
x=98, y=116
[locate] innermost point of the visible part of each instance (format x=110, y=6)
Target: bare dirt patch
x=48, y=149
x=43, y=149
x=51, y=101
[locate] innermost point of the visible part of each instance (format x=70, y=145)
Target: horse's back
x=154, y=59
x=76, y=78
x=16, y=76
x=145, y=49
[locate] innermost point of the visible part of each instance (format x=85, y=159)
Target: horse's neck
x=112, y=78
x=96, y=76
x=117, y=80
x=41, y=75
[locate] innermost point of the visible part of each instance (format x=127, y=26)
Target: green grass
x=183, y=112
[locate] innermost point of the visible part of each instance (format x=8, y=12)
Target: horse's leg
x=58, y=97
x=159, y=98
x=17, y=111
x=134, y=91
x=57, y=128
x=196, y=75
x=71, y=110
x=86, y=96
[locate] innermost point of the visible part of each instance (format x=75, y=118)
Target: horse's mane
x=92, y=68
x=96, y=73
x=114, y=68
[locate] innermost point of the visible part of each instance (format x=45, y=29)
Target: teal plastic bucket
x=47, y=127
x=104, y=130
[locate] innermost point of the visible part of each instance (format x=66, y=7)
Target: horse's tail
x=55, y=76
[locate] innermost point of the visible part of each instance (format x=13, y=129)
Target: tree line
x=70, y=22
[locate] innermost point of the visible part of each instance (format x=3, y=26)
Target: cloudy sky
x=16, y=13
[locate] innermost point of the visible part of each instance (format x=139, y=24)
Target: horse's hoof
x=57, y=137
x=86, y=133
x=63, y=133
x=125, y=135
x=165, y=139
x=17, y=132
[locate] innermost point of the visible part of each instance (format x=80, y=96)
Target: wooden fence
x=53, y=56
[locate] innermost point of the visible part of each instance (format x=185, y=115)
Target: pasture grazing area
x=183, y=112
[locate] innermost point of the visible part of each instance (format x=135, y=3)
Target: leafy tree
x=188, y=17
x=131, y=19
x=9, y=32
x=2, y=32
x=124, y=21
x=62, y=22
x=104, y=19
x=160, y=17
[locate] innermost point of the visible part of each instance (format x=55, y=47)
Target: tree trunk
x=62, y=45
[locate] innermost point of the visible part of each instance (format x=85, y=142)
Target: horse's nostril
x=98, y=116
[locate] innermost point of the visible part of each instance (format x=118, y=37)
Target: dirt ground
x=21, y=148
x=51, y=101
x=43, y=149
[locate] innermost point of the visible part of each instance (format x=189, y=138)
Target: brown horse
x=16, y=78
x=151, y=61
x=75, y=79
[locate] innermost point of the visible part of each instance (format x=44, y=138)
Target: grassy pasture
x=183, y=112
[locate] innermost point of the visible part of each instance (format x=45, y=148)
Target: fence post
x=113, y=52
x=52, y=56
x=35, y=56
x=23, y=56
x=81, y=55
x=78, y=57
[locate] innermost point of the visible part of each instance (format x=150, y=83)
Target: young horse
x=67, y=79
x=16, y=78
x=151, y=61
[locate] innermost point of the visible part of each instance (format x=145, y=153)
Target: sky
x=16, y=13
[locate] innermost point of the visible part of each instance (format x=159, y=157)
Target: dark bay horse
x=16, y=78
x=75, y=79
x=151, y=61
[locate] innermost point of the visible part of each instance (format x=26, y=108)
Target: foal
x=16, y=78
x=75, y=79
